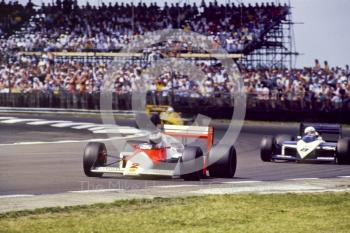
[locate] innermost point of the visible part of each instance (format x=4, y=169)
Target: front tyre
x=343, y=151
x=95, y=155
x=225, y=166
x=267, y=148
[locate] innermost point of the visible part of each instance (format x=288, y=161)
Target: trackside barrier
x=65, y=111
x=218, y=105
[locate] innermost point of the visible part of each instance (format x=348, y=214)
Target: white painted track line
x=69, y=124
x=7, y=118
x=105, y=131
x=300, y=179
x=16, y=195
x=86, y=126
x=56, y=142
x=97, y=128
x=76, y=141
x=118, y=131
x=44, y=122
x=242, y=182
x=17, y=120
x=343, y=176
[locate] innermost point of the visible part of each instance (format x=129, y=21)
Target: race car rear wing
x=333, y=131
x=157, y=108
x=204, y=132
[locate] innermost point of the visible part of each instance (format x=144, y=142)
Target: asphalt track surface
x=57, y=168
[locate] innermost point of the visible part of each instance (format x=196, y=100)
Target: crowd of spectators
x=41, y=74
x=320, y=88
x=66, y=26
x=328, y=87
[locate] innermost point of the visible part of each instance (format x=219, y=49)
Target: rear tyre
x=267, y=148
x=95, y=155
x=191, y=164
x=225, y=166
x=343, y=151
x=279, y=139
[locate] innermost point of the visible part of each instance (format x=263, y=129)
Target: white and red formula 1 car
x=177, y=151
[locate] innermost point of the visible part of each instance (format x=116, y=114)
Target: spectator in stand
x=326, y=67
x=317, y=65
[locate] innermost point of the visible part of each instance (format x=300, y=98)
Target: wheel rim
x=102, y=157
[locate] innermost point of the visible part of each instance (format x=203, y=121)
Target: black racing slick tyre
x=343, y=151
x=279, y=139
x=95, y=155
x=267, y=147
x=191, y=163
x=225, y=166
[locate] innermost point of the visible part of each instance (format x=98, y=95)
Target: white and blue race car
x=317, y=142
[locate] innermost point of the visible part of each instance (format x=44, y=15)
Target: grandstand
x=276, y=46
x=254, y=32
x=57, y=55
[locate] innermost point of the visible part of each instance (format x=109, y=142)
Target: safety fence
x=76, y=100
x=219, y=105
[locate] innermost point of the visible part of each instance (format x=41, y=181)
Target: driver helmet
x=155, y=138
x=170, y=109
x=310, y=131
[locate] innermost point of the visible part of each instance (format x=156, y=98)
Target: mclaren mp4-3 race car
x=185, y=152
x=316, y=142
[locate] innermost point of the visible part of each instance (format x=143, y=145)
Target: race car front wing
x=117, y=170
x=325, y=152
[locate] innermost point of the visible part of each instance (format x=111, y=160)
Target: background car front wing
x=293, y=158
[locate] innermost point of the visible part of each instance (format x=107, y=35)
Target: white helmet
x=310, y=130
x=155, y=138
x=170, y=109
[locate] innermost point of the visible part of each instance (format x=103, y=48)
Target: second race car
x=164, y=114
x=316, y=142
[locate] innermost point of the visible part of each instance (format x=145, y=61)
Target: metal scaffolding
x=276, y=49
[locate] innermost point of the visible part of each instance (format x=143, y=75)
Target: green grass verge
x=328, y=212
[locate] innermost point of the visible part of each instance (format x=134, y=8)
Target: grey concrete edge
x=88, y=197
